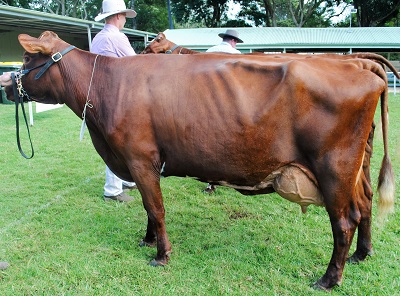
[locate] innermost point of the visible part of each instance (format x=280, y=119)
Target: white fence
x=392, y=81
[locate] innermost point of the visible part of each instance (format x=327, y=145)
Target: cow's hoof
x=357, y=258
x=353, y=260
x=319, y=285
x=146, y=244
x=156, y=263
x=4, y=265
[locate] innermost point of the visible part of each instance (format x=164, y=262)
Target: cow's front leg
x=344, y=221
x=149, y=187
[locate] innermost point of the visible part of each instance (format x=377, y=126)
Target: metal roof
x=377, y=39
x=23, y=20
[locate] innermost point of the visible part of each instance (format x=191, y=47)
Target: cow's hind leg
x=364, y=242
x=344, y=217
x=364, y=196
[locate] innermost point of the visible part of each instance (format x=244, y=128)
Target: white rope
x=87, y=104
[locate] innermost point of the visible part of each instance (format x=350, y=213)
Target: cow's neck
x=82, y=68
x=88, y=103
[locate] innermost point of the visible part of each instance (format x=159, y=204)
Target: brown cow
x=297, y=127
x=160, y=44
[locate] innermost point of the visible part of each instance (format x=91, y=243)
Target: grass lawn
x=61, y=238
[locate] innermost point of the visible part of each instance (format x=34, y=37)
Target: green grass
x=61, y=238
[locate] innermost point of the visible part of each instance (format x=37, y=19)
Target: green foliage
x=152, y=16
x=61, y=238
x=284, y=13
x=209, y=12
x=255, y=14
x=73, y=8
x=236, y=23
x=317, y=19
x=375, y=13
x=17, y=3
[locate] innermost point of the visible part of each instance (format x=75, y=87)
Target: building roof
x=377, y=39
x=25, y=20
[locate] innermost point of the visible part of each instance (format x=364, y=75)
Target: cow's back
x=231, y=110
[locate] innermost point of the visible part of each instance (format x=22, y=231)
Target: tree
x=375, y=13
x=16, y=3
x=74, y=8
x=152, y=15
x=262, y=12
x=301, y=10
x=287, y=13
x=210, y=13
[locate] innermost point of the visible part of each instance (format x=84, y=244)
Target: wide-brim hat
x=232, y=34
x=110, y=7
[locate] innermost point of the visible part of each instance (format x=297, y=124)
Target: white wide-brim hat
x=232, y=34
x=111, y=7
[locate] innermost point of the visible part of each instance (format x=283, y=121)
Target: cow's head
x=158, y=45
x=38, y=52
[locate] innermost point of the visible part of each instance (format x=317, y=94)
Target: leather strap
x=54, y=59
x=20, y=100
x=169, y=51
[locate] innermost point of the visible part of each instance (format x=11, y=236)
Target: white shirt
x=223, y=47
x=111, y=42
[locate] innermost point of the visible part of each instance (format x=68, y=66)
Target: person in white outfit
x=111, y=42
x=228, y=44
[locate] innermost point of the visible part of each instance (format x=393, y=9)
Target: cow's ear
x=34, y=45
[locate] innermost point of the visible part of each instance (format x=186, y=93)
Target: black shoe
x=122, y=197
x=210, y=189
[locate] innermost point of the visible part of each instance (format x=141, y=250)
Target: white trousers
x=113, y=185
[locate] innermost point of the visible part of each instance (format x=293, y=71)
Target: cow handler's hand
x=5, y=79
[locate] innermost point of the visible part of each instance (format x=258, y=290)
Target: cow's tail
x=377, y=58
x=386, y=181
